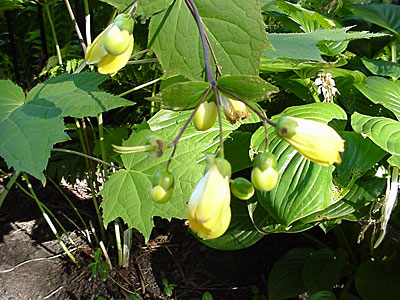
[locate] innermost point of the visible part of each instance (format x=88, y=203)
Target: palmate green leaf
x=382, y=131
x=384, y=15
x=321, y=271
x=150, y=7
x=382, y=91
x=247, y=87
x=77, y=95
x=359, y=156
x=183, y=95
x=122, y=5
x=304, y=46
x=126, y=193
x=303, y=187
x=241, y=232
x=285, y=279
x=30, y=127
x=382, y=68
x=235, y=29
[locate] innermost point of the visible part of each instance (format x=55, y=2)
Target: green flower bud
x=124, y=22
x=162, y=187
x=116, y=41
x=205, y=116
x=242, y=188
x=264, y=175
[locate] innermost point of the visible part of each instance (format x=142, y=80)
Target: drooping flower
x=234, y=110
x=162, y=187
x=208, y=210
x=317, y=141
x=264, y=175
x=113, y=47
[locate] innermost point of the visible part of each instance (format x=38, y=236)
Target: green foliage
x=382, y=68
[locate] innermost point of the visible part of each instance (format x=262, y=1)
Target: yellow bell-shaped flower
x=317, y=141
x=234, y=110
x=113, y=47
x=208, y=210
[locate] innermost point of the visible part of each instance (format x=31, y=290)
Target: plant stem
x=87, y=23
x=139, y=87
x=53, y=32
x=141, y=61
x=49, y=222
x=133, y=8
x=127, y=247
x=118, y=241
x=259, y=114
x=8, y=187
x=394, y=51
x=218, y=103
x=101, y=142
x=78, y=31
x=86, y=156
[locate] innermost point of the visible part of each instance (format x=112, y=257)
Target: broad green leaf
x=394, y=161
x=236, y=149
x=235, y=29
x=241, y=232
x=77, y=95
x=303, y=187
x=268, y=65
x=150, y=7
x=303, y=46
x=384, y=15
x=122, y=5
x=183, y=95
x=285, y=279
x=322, y=295
x=376, y=280
x=321, y=271
x=382, y=67
x=12, y=96
x=382, y=91
x=351, y=207
x=359, y=156
x=382, y=131
x=126, y=193
x=249, y=88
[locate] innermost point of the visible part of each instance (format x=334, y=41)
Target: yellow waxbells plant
x=113, y=47
x=208, y=210
x=318, y=142
x=234, y=110
x=264, y=175
x=205, y=116
x=162, y=187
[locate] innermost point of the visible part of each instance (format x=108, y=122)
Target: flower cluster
x=326, y=85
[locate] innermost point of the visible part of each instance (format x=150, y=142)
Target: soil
x=33, y=265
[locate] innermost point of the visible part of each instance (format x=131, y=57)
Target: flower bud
x=242, y=188
x=205, y=116
x=264, y=175
x=234, y=110
x=317, y=141
x=162, y=187
x=157, y=145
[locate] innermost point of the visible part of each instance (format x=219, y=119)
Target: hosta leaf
x=235, y=29
x=126, y=193
x=303, y=187
x=359, y=156
x=382, y=91
x=384, y=15
x=285, y=279
x=303, y=46
x=394, y=160
x=382, y=131
x=30, y=127
x=249, y=88
x=241, y=232
x=382, y=68
x=77, y=95
x=321, y=271
x=183, y=95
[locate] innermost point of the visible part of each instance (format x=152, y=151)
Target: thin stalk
x=218, y=103
x=394, y=51
x=139, y=87
x=118, y=242
x=8, y=187
x=153, y=103
x=53, y=32
x=140, y=52
x=94, y=198
x=85, y=156
x=49, y=222
x=105, y=253
x=78, y=31
x=87, y=23
x=42, y=31
x=142, y=61
x=127, y=247
x=70, y=202
x=133, y=8
x=259, y=114
x=101, y=142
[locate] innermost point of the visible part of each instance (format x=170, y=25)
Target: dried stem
x=78, y=31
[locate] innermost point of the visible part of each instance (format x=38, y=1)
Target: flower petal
x=96, y=51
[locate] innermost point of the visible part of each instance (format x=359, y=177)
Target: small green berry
x=242, y=188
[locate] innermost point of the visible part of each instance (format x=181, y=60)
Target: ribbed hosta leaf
x=382, y=91
x=303, y=187
x=382, y=131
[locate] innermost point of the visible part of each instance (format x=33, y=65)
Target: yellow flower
x=113, y=47
x=318, y=142
x=208, y=210
x=234, y=110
